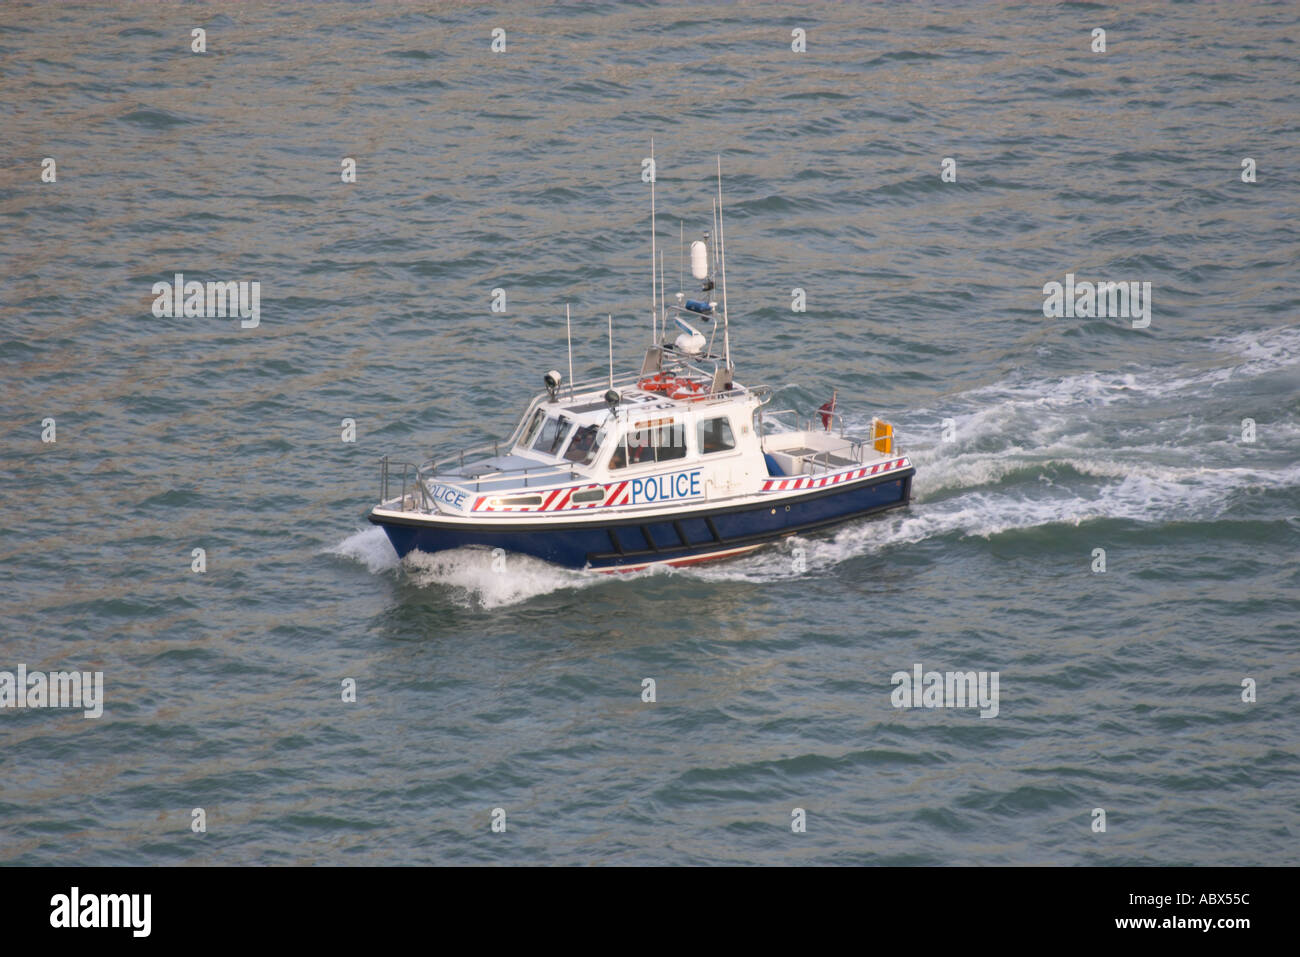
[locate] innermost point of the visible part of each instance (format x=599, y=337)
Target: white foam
x=370, y=547
x=1036, y=407
x=770, y=563
x=471, y=576
x=474, y=577
x=1264, y=351
x=1142, y=494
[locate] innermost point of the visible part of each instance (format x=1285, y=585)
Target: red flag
x=827, y=409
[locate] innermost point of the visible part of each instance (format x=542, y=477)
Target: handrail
x=856, y=442
x=592, y=384
x=418, y=475
x=854, y=450
x=385, y=472
x=551, y=470
x=807, y=424
x=435, y=463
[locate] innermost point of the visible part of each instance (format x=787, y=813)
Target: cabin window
x=656, y=443
x=670, y=442
x=589, y=495
x=585, y=445
x=530, y=433
x=551, y=436
x=715, y=436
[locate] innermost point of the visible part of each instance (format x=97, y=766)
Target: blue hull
x=637, y=541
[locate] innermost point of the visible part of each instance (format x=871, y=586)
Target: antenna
x=611, y=349
x=681, y=255
x=654, y=306
x=722, y=253
x=568, y=331
x=714, y=209
x=663, y=308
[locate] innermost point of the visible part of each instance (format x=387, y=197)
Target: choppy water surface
x=520, y=170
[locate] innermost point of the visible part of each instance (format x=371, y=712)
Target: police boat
x=674, y=464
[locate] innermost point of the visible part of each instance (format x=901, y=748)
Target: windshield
x=530, y=433
x=584, y=448
x=550, y=439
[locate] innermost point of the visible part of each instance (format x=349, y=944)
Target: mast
x=568, y=331
x=722, y=254
x=663, y=308
x=713, y=211
x=654, y=306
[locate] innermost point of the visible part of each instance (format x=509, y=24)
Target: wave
x=471, y=577
x=368, y=546
x=477, y=577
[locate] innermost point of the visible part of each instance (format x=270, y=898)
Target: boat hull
x=631, y=543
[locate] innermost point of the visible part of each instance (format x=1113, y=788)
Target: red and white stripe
x=808, y=481
x=620, y=494
x=556, y=500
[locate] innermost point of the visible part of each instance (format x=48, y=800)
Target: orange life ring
x=692, y=391
x=656, y=383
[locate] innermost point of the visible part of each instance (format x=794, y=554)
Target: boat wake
x=367, y=546
x=474, y=577
x=470, y=577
